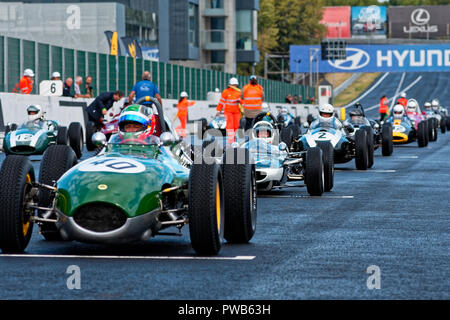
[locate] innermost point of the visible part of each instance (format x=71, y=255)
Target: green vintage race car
x=34, y=137
x=129, y=192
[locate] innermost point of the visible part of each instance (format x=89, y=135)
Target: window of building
x=143, y=26
x=217, y=30
x=244, y=30
x=216, y=4
x=193, y=25
x=218, y=56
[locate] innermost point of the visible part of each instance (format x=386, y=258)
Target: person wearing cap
x=252, y=99
x=25, y=85
x=182, y=114
x=56, y=76
x=230, y=101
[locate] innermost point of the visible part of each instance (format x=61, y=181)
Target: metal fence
x=111, y=73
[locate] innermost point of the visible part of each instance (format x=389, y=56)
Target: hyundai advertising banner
x=427, y=22
x=369, y=22
x=337, y=20
x=375, y=58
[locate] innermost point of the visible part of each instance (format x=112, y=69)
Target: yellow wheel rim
x=26, y=226
x=218, y=207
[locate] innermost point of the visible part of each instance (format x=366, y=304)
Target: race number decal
x=24, y=137
x=116, y=165
x=322, y=136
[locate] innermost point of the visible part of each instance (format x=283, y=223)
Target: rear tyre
x=427, y=133
x=328, y=164
x=76, y=138
x=62, y=137
x=387, y=144
x=90, y=130
x=239, y=182
x=448, y=123
x=56, y=161
x=16, y=174
x=314, y=173
x=362, y=151
x=206, y=208
x=421, y=138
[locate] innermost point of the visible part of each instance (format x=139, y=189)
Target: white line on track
x=400, y=83
x=370, y=170
x=368, y=91
x=408, y=157
x=236, y=258
x=318, y=197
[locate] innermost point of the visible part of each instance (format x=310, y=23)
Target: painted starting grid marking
x=236, y=258
x=408, y=157
x=307, y=197
x=376, y=171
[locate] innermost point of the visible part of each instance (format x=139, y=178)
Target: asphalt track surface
x=395, y=216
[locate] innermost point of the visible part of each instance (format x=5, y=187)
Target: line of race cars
x=204, y=184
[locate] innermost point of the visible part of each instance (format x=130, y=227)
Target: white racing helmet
x=34, y=112
x=326, y=112
x=412, y=105
x=264, y=130
x=403, y=95
x=435, y=104
x=427, y=105
x=398, y=111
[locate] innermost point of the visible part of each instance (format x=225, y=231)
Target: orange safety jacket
x=253, y=96
x=231, y=98
x=183, y=107
x=383, y=105
x=25, y=86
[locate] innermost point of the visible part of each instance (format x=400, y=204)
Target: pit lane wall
x=66, y=110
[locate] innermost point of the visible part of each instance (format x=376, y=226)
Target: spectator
x=288, y=99
x=295, y=99
x=25, y=86
x=77, y=86
x=89, y=89
x=145, y=88
x=56, y=76
x=100, y=106
x=67, y=87
x=300, y=99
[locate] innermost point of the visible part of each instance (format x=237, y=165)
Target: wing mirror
x=98, y=139
x=167, y=139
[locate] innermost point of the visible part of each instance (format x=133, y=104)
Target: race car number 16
x=116, y=165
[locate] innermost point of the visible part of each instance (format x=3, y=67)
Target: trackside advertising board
x=369, y=22
x=337, y=20
x=426, y=22
x=377, y=58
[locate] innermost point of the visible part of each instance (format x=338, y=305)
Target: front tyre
x=314, y=172
x=56, y=161
x=206, y=208
x=90, y=130
x=328, y=164
x=16, y=175
x=421, y=135
x=239, y=179
x=362, y=151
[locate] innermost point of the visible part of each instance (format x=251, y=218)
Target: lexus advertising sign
x=375, y=58
x=427, y=22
